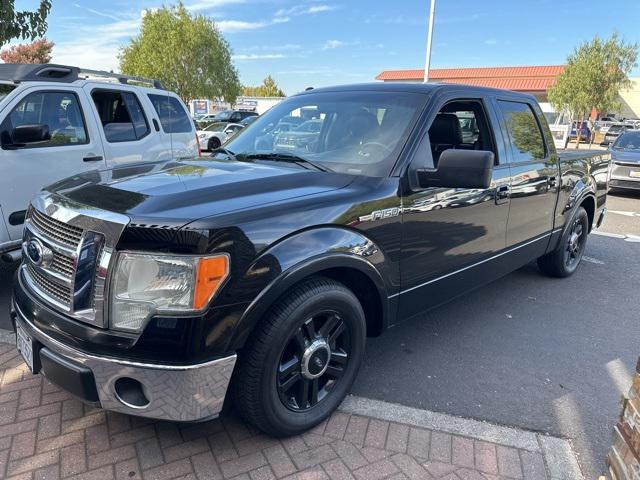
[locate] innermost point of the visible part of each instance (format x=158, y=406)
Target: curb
x=557, y=452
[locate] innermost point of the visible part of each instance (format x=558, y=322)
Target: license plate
x=24, y=344
x=634, y=173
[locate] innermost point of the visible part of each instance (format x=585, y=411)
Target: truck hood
x=176, y=193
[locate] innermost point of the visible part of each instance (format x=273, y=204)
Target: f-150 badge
x=380, y=214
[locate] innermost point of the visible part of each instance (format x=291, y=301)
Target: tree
x=269, y=88
x=594, y=74
x=35, y=52
x=187, y=53
x=22, y=24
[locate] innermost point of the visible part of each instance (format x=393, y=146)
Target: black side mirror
x=459, y=169
x=28, y=134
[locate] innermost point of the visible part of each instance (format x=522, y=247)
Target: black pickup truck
x=154, y=289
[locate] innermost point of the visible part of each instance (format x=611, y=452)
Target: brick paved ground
x=46, y=435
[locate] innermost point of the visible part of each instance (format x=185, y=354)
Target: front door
x=446, y=231
x=534, y=175
x=73, y=147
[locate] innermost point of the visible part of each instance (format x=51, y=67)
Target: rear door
x=126, y=129
x=74, y=147
x=534, y=173
x=176, y=122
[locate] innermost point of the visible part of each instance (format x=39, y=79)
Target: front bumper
x=621, y=176
x=169, y=392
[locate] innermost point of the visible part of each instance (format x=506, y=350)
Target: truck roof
x=415, y=87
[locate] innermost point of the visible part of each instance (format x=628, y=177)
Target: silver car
x=625, y=156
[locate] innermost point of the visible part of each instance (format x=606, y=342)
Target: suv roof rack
x=47, y=72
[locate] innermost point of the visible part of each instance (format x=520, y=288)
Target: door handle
x=92, y=158
x=502, y=194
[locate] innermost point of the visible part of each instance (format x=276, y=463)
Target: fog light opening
x=130, y=392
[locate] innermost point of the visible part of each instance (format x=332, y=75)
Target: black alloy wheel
x=301, y=359
x=565, y=258
x=313, y=361
x=576, y=241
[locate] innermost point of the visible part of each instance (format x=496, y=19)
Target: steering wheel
x=373, y=144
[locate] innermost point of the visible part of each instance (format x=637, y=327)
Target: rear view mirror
x=28, y=134
x=459, y=169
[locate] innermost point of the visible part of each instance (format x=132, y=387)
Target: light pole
x=427, y=62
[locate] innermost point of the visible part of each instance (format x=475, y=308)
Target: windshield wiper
x=228, y=153
x=285, y=157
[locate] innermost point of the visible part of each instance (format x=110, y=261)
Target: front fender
x=300, y=256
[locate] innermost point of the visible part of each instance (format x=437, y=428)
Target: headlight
x=203, y=135
x=144, y=285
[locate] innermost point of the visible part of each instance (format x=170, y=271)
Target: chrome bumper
x=179, y=393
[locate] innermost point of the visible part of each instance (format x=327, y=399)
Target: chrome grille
x=60, y=293
x=62, y=264
x=67, y=251
x=56, y=230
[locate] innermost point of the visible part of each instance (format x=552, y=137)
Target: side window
x=462, y=125
x=173, y=117
x=526, y=139
x=60, y=111
x=121, y=115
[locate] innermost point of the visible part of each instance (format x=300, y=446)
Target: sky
x=304, y=43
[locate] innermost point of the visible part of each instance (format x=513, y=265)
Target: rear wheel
x=564, y=260
x=302, y=359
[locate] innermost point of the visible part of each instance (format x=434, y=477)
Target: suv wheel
x=564, y=260
x=213, y=143
x=301, y=360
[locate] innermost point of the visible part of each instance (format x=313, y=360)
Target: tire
x=271, y=387
x=564, y=260
x=213, y=143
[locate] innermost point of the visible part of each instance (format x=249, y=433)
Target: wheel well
x=589, y=205
x=366, y=291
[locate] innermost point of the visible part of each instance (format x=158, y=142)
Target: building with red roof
x=535, y=80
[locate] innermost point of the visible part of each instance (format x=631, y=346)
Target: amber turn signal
x=210, y=274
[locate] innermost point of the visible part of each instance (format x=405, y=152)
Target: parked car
x=612, y=133
x=234, y=116
x=56, y=121
x=214, y=135
x=260, y=271
x=585, y=132
x=625, y=155
x=298, y=136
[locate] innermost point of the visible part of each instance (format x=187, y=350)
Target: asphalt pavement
x=543, y=354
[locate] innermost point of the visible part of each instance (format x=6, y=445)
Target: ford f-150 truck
x=256, y=274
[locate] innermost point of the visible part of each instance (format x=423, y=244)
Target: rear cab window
x=173, y=117
x=121, y=115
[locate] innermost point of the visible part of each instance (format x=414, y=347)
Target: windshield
x=5, y=90
x=628, y=141
x=351, y=132
x=226, y=115
x=215, y=127
x=615, y=128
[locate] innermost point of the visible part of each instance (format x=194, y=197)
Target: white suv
x=56, y=121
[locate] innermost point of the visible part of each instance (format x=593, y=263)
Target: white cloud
x=210, y=4
x=331, y=44
x=258, y=56
x=238, y=25
x=298, y=10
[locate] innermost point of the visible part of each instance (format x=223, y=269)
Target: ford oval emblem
x=38, y=253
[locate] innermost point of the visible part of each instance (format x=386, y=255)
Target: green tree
x=38, y=51
x=594, y=74
x=269, y=88
x=22, y=24
x=187, y=53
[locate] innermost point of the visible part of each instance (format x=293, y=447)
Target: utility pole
x=427, y=62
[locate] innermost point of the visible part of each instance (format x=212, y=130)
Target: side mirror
x=459, y=169
x=27, y=134
x=229, y=131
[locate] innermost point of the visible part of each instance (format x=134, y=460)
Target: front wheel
x=302, y=359
x=213, y=143
x=564, y=260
